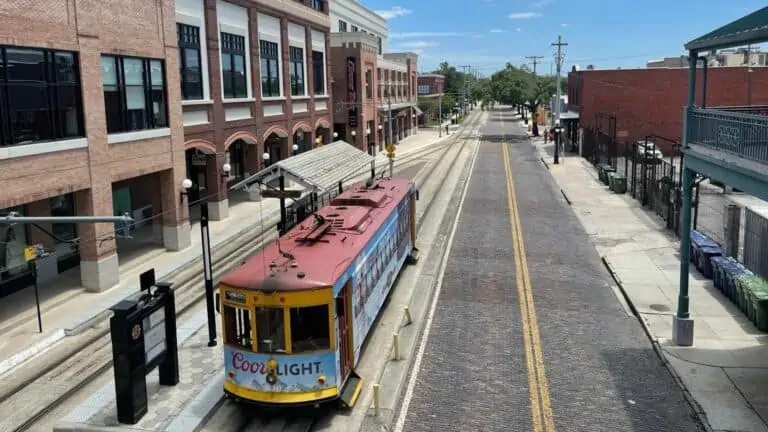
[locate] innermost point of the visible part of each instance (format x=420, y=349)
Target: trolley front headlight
x=271, y=378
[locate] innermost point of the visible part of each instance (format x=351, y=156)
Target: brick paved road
x=603, y=374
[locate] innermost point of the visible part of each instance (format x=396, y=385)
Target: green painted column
x=683, y=301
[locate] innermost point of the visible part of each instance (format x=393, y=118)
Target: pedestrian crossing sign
x=390, y=150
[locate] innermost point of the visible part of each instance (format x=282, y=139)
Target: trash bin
x=620, y=184
x=611, y=175
x=608, y=169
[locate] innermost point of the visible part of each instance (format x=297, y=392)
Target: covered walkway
x=728, y=146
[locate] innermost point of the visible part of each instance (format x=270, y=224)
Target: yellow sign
x=390, y=148
x=30, y=253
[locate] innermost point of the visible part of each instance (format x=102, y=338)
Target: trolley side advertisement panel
x=295, y=373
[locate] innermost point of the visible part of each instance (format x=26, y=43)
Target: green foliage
x=516, y=86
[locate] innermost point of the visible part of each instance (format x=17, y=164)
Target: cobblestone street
x=601, y=371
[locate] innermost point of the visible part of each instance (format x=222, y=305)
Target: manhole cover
x=660, y=308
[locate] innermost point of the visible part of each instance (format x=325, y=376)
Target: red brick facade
x=33, y=173
x=651, y=101
x=436, y=84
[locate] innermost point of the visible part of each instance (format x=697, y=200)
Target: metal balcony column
x=682, y=328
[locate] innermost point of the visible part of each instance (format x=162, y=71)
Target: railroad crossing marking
x=541, y=408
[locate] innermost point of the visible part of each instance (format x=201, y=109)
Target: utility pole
x=464, y=87
x=558, y=128
x=535, y=61
x=389, y=117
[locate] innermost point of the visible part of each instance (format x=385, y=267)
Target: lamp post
x=225, y=170
x=354, y=140
x=558, y=132
x=295, y=149
x=265, y=157
x=185, y=185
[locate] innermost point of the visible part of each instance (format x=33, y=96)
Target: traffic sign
x=390, y=148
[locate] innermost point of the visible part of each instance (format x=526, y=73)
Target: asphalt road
x=596, y=370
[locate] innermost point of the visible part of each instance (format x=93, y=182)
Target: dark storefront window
x=233, y=66
x=318, y=5
x=190, y=62
x=270, y=72
x=297, y=71
x=318, y=70
x=64, y=205
x=134, y=93
x=40, y=98
x=13, y=266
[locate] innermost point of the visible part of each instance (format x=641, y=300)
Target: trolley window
x=310, y=329
x=270, y=330
x=237, y=326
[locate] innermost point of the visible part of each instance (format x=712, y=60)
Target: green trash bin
x=760, y=305
x=620, y=184
x=611, y=176
x=608, y=170
x=601, y=173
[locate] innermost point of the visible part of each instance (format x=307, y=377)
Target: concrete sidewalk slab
x=728, y=363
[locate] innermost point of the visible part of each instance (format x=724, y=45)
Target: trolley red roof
x=322, y=251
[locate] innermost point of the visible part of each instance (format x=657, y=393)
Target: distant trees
x=519, y=86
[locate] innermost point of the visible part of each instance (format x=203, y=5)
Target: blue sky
x=606, y=33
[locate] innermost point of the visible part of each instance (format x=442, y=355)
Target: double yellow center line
x=541, y=409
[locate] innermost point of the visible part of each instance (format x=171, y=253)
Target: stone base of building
x=100, y=275
x=218, y=210
x=178, y=237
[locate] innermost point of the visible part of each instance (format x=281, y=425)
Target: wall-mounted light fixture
x=225, y=169
x=185, y=184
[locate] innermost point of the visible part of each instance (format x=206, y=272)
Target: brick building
x=651, y=101
x=255, y=80
x=431, y=88
x=365, y=86
x=431, y=85
x=88, y=126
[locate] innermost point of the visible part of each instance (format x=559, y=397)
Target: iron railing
x=741, y=134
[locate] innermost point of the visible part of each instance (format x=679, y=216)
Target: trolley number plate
x=154, y=335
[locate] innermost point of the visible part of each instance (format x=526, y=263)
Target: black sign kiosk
x=143, y=331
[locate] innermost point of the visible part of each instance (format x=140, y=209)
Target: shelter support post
x=682, y=326
x=283, y=214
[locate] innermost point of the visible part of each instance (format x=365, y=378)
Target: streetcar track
x=93, y=358
x=225, y=407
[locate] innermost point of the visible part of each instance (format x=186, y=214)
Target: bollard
x=408, y=318
x=376, y=399
x=395, y=341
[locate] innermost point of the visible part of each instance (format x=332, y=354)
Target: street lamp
x=295, y=149
x=381, y=127
x=558, y=131
x=335, y=135
x=265, y=157
x=319, y=140
x=185, y=184
x=225, y=169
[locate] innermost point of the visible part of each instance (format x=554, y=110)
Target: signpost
x=44, y=269
x=143, y=330
x=391, y=156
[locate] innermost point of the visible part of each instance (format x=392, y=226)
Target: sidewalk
x=66, y=306
x=726, y=371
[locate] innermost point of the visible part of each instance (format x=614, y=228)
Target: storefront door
x=196, y=164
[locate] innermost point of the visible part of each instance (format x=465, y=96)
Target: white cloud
x=540, y=3
x=427, y=35
x=523, y=15
x=564, y=25
x=497, y=31
x=394, y=12
x=518, y=30
x=418, y=44
x=477, y=36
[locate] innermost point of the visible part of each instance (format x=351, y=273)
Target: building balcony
x=730, y=144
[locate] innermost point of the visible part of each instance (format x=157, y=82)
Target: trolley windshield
x=309, y=329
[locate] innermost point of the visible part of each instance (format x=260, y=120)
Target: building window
x=134, y=93
x=13, y=240
x=318, y=5
x=368, y=79
x=189, y=53
x=354, y=28
x=318, y=66
x=40, y=97
x=342, y=26
x=296, y=65
x=380, y=45
x=270, y=72
x=423, y=89
x=233, y=66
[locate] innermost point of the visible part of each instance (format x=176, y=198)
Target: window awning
x=751, y=29
x=318, y=169
x=418, y=110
